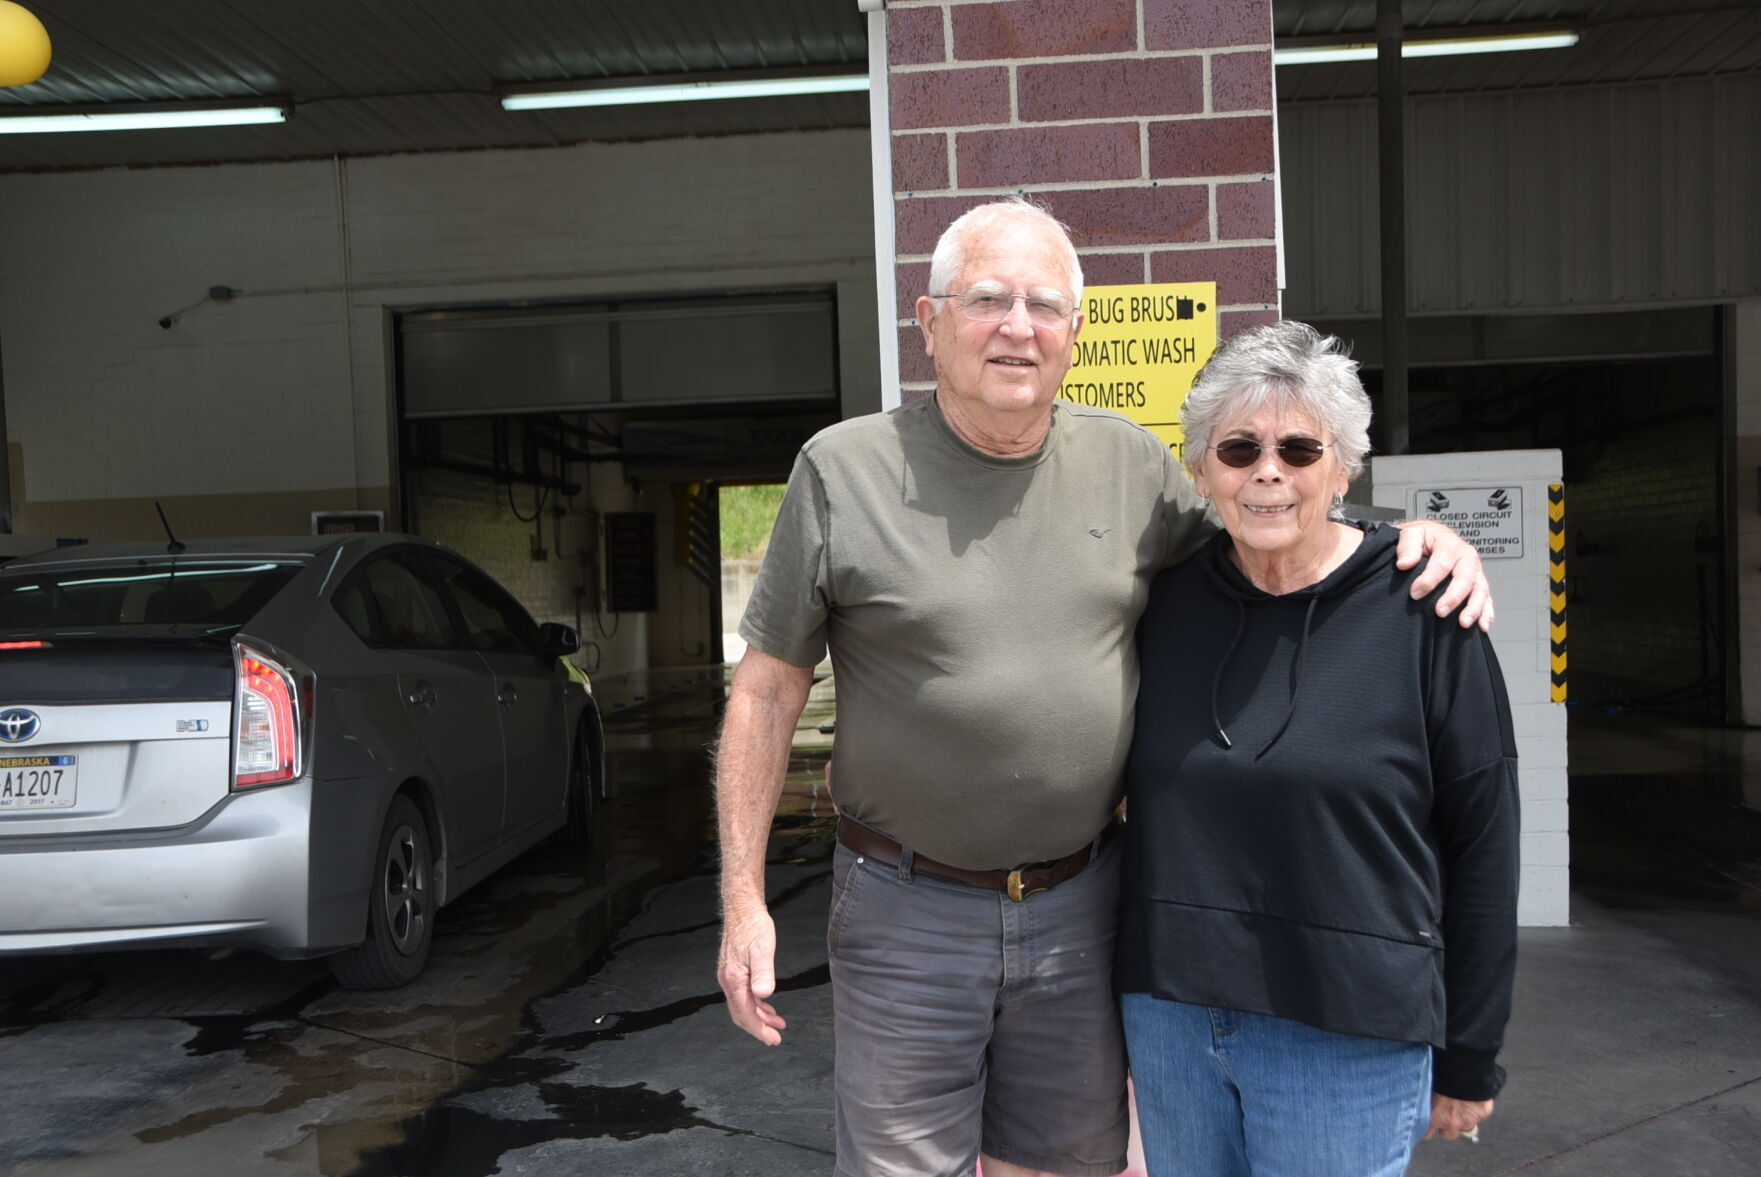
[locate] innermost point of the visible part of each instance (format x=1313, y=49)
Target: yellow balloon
x=24, y=46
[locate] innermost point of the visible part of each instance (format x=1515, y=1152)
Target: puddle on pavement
x=460, y=1142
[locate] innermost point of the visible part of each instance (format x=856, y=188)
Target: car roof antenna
x=176, y=545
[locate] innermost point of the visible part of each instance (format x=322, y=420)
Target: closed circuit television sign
x=1140, y=348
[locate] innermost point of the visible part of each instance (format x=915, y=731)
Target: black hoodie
x=1323, y=810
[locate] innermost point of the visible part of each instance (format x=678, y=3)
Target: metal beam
x=5, y=459
x=1391, y=168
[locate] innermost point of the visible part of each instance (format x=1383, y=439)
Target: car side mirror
x=559, y=640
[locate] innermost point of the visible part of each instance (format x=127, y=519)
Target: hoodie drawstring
x=1302, y=647
x=1217, y=679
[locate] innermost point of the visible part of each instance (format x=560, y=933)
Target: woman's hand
x=1454, y=1118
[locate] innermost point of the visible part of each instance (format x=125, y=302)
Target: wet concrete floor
x=568, y=1020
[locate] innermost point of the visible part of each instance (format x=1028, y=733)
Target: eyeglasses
x=1295, y=452
x=991, y=304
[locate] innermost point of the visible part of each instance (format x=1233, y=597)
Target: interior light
x=1427, y=47
x=140, y=120
x=695, y=91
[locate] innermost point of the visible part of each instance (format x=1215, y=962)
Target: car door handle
x=508, y=695
x=424, y=695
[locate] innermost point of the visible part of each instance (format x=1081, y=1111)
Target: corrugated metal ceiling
x=372, y=76
x=369, y=76
x=1623, y=41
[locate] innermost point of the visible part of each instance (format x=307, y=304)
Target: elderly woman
x=1318, y=942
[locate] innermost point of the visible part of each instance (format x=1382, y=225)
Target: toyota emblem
x=18, y=725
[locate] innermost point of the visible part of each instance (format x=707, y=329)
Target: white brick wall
x=1522, y=641
x=287, y=386
x=469, y=514
x=239, y=397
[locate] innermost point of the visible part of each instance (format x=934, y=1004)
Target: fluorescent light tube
x=1438, y=47
x=140, y=120
x=685, y=92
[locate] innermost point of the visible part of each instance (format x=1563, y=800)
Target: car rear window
x=210, y=594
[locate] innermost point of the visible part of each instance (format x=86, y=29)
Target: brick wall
x=1145, y=125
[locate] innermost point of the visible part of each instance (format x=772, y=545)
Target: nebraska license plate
x=37, y=782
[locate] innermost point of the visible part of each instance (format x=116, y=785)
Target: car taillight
x=267, y=736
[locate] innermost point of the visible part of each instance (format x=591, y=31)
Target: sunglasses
x=1295, y=452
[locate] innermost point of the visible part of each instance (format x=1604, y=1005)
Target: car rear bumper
x=237, y=876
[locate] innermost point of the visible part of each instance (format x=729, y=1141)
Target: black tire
x=582, y=794
x=400, y=906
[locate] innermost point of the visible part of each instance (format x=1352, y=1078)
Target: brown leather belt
x=1018, y=883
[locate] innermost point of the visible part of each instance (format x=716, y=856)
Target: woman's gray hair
x=1285, y=363
x=948, y=262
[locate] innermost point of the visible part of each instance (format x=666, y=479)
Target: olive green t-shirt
x=980, y=615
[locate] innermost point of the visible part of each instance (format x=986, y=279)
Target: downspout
x=880, y=146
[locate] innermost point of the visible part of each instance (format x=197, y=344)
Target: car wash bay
x=570, y=1022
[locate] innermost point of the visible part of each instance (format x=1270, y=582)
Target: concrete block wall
x=284, y=392
x=245, y=397
x=1145, y=125
x=470, y=515
x=1522, y=641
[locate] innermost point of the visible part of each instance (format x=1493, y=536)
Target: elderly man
x=976, y=563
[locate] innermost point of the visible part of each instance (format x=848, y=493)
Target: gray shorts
x=967, y=1021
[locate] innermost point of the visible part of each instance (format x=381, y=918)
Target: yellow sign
x=1140, y=349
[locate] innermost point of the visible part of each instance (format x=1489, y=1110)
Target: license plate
x=37, y=782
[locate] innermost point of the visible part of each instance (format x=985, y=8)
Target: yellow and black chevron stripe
x=1556, y=583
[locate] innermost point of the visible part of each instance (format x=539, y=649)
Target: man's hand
x=753, y=754
x=748, y=975
x=1453, y=1118
x=1450, y=557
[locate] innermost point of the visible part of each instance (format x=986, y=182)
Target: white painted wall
x=249, y=396
x=287, y=387
x=1522, y=642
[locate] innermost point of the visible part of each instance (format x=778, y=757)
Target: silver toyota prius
x=302, y=746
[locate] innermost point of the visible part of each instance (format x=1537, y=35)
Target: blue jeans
x=1228, y=1094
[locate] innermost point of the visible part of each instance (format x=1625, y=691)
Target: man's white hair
x=948, y=263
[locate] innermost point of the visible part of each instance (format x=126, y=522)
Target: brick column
x=1145, y=125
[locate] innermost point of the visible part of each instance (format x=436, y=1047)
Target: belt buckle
x=1016, y=891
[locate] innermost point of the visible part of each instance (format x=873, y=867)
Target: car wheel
x=400, y=906
x=581, y=795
